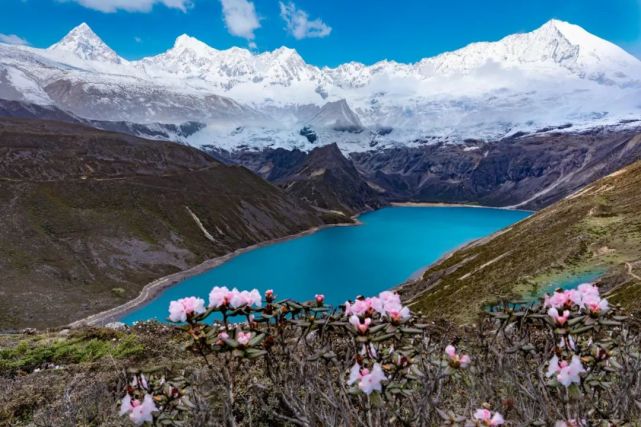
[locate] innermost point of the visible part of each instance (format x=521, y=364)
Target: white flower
x=367, y=381
x=139, y=413
x=486, y=417
x=564, y=372
x=181, y=309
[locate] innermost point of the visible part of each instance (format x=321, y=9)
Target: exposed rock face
x=323, y=177
x=174, y=132
x=528, y=172
x=85, y=212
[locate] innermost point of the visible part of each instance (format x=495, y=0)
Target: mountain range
x=557, y=75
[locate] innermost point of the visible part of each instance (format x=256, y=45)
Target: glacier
x=557, y=77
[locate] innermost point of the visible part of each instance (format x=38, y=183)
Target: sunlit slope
x=598, y=227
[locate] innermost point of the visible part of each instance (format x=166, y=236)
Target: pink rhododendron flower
x=222, y=296
x=367, y=381
x=397, y=315
x=219, y=296
x=595, y=304
x=558, y=318
x=359, y=308
x=564, y=372
x=320, y=299
x=487, y=418
x=389, y=304
x=243, y=338
x=139, y=413
x=588, y=289
x=457, y=360
x=386, y=304
x=181, y=309
x=558, y=300
x=360, y=327
x=586, y=296
x=245, y=298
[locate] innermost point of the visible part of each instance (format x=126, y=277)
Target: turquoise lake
x=389, y=247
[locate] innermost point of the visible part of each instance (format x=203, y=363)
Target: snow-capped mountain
x=336, y=116
x=555, y=75
x=83, y=43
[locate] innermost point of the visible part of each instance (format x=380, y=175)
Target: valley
x=288, y=213
x=324, y=144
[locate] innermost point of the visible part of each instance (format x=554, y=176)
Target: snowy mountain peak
x=188, y=42
x=86, y=45
x=338, y=116
x=588, y=55
x=555, y=75
x=286, y=52
x=571, y=32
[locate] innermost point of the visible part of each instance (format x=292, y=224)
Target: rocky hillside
x=162, y=131
x=527, y=171
x=530, y=171
x=598, y=228
x=324, y=177
x=88, y=217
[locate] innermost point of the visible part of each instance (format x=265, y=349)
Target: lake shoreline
x=153, y=289
x=451, y=205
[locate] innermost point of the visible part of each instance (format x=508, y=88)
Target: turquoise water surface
x=574, y=281
x=343, y=262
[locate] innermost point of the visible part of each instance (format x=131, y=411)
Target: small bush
x=36, y=353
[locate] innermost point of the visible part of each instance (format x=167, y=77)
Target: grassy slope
x=597, y=227
x=87, y=218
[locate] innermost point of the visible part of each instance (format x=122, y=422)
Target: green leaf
x=606, y=322
x=257, y=340
x=581, y=330
x=382, y=337
x=253, y=353
x=575, y=320
x=411, y=331
x=231, y=342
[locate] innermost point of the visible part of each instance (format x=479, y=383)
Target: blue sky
x=325, y=32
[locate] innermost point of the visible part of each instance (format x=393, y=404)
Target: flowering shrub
x=487, y=418
x=568, y=358
x=456, y=360
x=154, y=398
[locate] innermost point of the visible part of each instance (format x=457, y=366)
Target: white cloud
x=110, y=6
x=240, y=18
x=13, y=39
x=300, y=26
